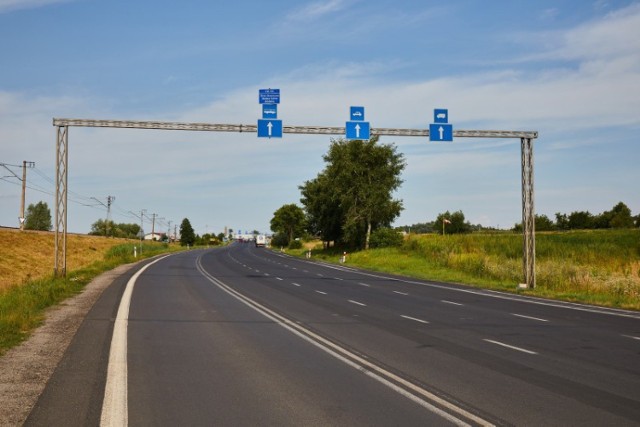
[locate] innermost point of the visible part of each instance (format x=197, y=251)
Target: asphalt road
x=245, y=336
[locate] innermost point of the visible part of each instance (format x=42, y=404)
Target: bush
x=295, y=244
x=385, y=238
x=279, y=240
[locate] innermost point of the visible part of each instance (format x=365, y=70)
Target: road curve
x=243, y=335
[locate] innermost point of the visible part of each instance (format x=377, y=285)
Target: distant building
x=159, y=237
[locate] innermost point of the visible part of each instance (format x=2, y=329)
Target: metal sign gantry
x=62, y=156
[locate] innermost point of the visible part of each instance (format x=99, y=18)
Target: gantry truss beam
x=63, y=125
x=317, y=130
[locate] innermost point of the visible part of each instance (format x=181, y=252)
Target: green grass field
x=597, y=267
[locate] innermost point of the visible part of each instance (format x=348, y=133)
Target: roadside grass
x=599, y=267
x=23, y=304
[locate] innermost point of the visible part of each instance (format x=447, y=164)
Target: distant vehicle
x=261, y=240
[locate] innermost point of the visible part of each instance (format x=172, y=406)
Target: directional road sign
x=269, y=128
x=357, y=114
x=440, y=115
x=269, y=111
x=440, y=132
x=269, y=96
x=357, y=130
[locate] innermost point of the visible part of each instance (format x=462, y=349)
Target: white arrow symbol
x=270, y=126
x=357, y=131
x=441, y=130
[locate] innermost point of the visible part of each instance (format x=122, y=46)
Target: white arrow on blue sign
x=269, y=128
x=357, y=130
x=440, y=132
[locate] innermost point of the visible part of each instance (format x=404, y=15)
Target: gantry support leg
x=528, y=214
x=62, y=159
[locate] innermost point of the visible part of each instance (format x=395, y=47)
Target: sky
x=569, y=70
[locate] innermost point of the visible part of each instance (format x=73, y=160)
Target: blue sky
x=568, y=69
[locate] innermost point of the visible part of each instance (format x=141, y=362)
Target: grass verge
x=596, y=267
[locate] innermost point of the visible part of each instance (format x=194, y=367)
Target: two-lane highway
x=243, y=335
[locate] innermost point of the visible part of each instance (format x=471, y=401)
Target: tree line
x=618, y=217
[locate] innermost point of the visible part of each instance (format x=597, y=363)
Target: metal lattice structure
x=62, y=143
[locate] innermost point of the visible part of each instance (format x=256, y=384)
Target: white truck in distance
x=261, y=240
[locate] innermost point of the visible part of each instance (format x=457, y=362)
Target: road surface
x=245, y=336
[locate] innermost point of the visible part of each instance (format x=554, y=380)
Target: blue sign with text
x=269, y=96
x=269, y=111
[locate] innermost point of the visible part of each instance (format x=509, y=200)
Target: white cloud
x=11, y=5
x=316, y=10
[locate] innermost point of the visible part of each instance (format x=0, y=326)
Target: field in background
x=596, y=267
x=28, y=255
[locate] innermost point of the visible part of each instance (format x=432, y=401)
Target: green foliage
x=187, y=235
x=454, y=223
x=352, y=196
x=128, y=231
x=279, y=240
x=386, y=237
x=289, y=222
x=295, y=244
x=38, y=217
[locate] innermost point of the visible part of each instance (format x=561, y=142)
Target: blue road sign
x=440, y=132
x=269, y=128
x=357, y=130
x=269, y=96
x=440, y=115
x=269, y=111
x=357, y=114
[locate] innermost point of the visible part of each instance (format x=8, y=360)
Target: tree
x=355, y=190
x=453, y=223
x=580, y=220
x=621, y=216
x=38, y=217
x=543, y=223
x=562, y=221
x=129, y=231
x=187, y=235
x=288, y=220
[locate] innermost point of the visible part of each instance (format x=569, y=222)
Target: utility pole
x=153, y=225
x=110, y=199
x=169, y=232
x=25, y=165
x=142, y=212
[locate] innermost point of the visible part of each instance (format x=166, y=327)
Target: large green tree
x=454, y=223
x=38, y=217
x=187, y=235
x=355, y=190
x=289, y=221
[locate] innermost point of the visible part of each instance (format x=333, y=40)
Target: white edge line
x=357, y=362
x=632, y=337
x=529, y=317
x=510, y=346
x=413, y=318
x=115, y=411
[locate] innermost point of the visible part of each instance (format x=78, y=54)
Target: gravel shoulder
x=25, y=370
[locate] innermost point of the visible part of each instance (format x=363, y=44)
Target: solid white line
x=115, y=411
x=632, y=337
x=529, y=317
x=451, y=302
x=364, y=284
x=357, y=362
x=295, y=284
x=413, y=318
x=356, y=302
x=510, y=346
x=320, y=292
x=401, y=293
